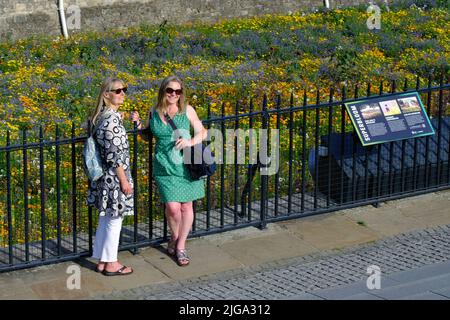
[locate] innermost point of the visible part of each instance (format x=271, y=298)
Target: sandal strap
x=121, y=269
x=182, y=255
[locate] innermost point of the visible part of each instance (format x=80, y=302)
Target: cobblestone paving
x=283, y=279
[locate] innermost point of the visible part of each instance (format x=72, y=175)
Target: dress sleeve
x=111, y=135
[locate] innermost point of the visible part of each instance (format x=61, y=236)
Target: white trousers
x=106, y=243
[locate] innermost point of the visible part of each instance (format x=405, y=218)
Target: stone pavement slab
x=266, y=248
x=352, y=290
x=205, y=259
x=445, y=292
x=433, y=270
x=414, y=287
x=330, y=231
x=385, y=221
x=424, y=296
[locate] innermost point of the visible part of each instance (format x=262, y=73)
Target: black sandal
x=171, y=247
x=118, y=272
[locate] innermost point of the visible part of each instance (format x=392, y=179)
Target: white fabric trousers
x=106, y=243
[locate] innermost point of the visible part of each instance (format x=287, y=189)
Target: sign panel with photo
x=384, y=119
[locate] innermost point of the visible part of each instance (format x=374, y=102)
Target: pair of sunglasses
x=177, y=92
x=119, y=90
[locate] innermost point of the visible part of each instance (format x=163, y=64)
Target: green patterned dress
x=171, y=176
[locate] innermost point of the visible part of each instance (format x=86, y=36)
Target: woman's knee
x=173, y=208
x=186, y=207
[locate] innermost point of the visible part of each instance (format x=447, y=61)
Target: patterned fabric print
x=105, y=194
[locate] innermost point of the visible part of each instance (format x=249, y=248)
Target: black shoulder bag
x=202, y=163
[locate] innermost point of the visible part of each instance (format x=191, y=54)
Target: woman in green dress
x=175, y=186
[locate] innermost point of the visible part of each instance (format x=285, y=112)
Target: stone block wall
x=22, y=18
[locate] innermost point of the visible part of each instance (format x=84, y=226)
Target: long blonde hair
x=162, y=105
x=102, y=103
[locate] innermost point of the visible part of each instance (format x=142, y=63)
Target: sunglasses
x=177, y=92
x=119, y=90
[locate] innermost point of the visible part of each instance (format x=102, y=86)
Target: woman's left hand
x=182, y=143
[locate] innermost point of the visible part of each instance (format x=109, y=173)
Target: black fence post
x=236, y=163
x=8, y=198
x=135, y=189
x=291, y=151
x=208, y=183
x=74, y=193
x=264, y=180
x=25, y=194
x=58, y=191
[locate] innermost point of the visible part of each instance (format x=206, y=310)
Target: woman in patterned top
x=112, y=194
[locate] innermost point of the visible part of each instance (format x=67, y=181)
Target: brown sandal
x=182, y=258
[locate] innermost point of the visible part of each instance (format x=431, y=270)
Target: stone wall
x=21, y=18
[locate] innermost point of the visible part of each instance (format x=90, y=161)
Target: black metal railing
x=322, y=168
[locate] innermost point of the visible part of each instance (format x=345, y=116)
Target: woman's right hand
x=134, y=116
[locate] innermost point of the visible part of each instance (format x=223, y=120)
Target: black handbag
x=202, y=162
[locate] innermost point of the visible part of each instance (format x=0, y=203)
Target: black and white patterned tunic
x=105, y=194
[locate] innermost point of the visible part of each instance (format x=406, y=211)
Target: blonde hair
x=162, y=104
x=102, y=103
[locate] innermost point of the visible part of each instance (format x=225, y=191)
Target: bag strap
x=171, y=123
x=97, y=125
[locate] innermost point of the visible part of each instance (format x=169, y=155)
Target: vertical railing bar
x=236, y=165
x=291, y=149
x=391, y=152
x=8, y=199
x=415, y=147
x=379, y=156
x=330, y=129
x=277, y=175
x=42, y=189
x=366, y=158
x=25, y=192
x=354, y=155
x=135, y=186
x=74, y=192
x=264, y=179
x=165, y=225
x=208, y=183
x=58, y=191
x=90, y=227
x=303, y=173
x=439, y=138
x=222, y=171
x=250, y=167
x=427, y=139
x=402, y=170
x=150, y=181
x=378, y=172
x=194, y=210
x=316, y=150
x=343, y=132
